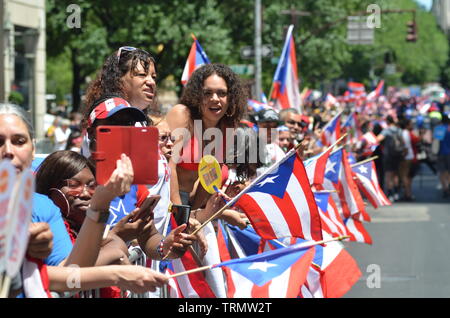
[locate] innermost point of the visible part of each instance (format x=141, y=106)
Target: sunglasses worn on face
x=298, y=123
x=166, y=138
x=76, y=188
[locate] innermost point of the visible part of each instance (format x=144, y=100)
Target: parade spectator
x=442, y=133
x=75, y=141
x=214, y=97
x=394, y=152
x=406, y=164
x=268, y=122
x=117, y=111
x=17, y=134
x=284, y=140
x=62, y=133
x=129, y=73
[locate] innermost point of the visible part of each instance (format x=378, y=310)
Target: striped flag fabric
x=357, y=232
x=332, y=223
x=281, y=203
x=332, y=130
x=196, y=58
x=351, y=200
x=377, y=92
x=272, y=274
x=285, y=91
x=315, y=167
x=352, y=127
x=367, y=181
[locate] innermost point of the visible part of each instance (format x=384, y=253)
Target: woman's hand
x=235, y=218
x=40, y=242
x=139, y=279
x=177, y=242
x=199, y=236
x=128, y=230
x=118, y=184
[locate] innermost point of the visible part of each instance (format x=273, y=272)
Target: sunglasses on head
x=126, y=49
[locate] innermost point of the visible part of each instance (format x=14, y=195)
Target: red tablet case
x=138, y=143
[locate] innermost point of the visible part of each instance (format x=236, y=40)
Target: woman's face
x=15, y=142
x=140, y=86
x=78, y=191
x=215, y=100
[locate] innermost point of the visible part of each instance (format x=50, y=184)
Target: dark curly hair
x=192, y=95
x=108, y=81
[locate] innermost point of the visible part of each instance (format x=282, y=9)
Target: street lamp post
x=258, y=54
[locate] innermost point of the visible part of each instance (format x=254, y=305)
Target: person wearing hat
x=113, y=110
x=268, y=121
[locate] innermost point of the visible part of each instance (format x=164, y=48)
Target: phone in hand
x=146, y=208
x=181, y=214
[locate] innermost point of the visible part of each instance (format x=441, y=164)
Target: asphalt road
x=410, y=254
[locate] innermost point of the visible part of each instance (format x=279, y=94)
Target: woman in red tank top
x=213, y=98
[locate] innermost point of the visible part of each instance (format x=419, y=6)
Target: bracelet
x=159, y=249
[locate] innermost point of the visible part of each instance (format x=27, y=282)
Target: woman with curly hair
x=214, y=97
x=129, y=73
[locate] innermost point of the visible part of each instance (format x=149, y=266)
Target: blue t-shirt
x=45, y=211
x=442, y=133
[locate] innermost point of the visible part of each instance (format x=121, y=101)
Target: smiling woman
x=213, y=96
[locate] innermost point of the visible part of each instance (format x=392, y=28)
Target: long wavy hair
x=109, y=79
x=192, y=95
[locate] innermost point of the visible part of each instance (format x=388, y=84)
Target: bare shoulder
x=178, y=116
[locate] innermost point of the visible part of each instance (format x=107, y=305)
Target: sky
x=426, y=3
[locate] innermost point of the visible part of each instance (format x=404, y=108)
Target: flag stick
x=324, y=191
x=5, y=287
x=364, y=161
x=195, y=270
x=304, y=245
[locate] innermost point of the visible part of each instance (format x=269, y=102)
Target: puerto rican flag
x=352, y=127
x=187, y=286
x=35, y=278
x=332, y=223
x=315, y=167
x=255, y=106
x=196, y=58
x=357, y=90
x=332, y=130
x=281, y=203
x=333, y=273
x=377, y=92
x=357, y=232
x=272, y=274
x=285, y=92
x=368, y=183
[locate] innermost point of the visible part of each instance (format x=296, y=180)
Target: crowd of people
x=71, y=209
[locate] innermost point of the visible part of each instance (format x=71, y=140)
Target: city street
x=411, y=246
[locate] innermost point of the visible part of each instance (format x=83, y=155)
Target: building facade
x=22, y=57
x=441, y=10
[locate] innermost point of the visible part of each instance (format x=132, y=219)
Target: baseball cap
x=267, y=115
x=113, y=105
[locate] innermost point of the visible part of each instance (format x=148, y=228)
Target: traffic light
x=411, y=33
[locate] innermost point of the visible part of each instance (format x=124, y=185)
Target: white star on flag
x=267, y=180
x=330, y=167
x=363, y=169
x=262, y=266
